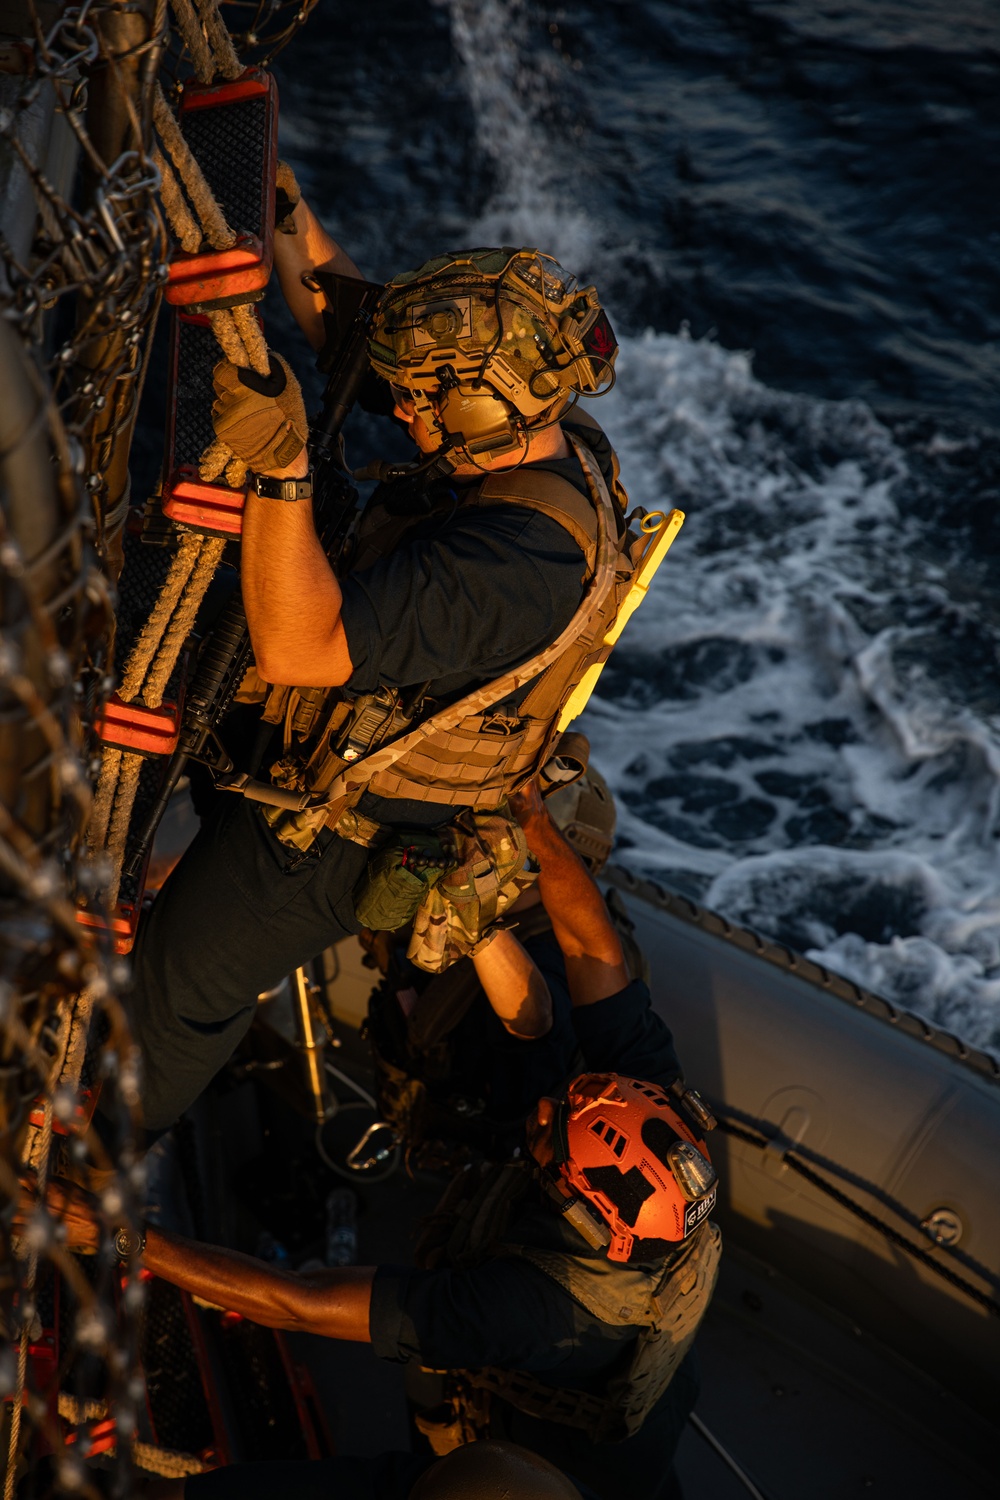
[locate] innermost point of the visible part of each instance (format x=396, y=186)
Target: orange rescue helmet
x=622, y=1147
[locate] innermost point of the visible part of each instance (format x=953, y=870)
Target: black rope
x=750, y=1485
x=759, y=1138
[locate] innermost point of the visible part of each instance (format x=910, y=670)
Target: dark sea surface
x=791, y=211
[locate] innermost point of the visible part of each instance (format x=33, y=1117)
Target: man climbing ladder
x=431, y=680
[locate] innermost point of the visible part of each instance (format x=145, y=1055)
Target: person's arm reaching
x=514, y=987
x=310, y=248
x=333, y=1303
x=290, y=592
x=623, y=1035
x=595, y=963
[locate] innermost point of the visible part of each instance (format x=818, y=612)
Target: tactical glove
x=261, y=418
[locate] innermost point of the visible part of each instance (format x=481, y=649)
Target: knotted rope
x=207, y=39
x=195, y=217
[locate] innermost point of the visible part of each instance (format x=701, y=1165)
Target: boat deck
x=807, y=1404
x=810, y=1407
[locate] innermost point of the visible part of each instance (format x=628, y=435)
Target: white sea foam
x=787, y=594
x=511, y=86
x=778, y=722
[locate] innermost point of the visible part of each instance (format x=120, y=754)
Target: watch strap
x=283, y=489
x=129, y=1243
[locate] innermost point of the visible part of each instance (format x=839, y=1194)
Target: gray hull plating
x=906, y=1117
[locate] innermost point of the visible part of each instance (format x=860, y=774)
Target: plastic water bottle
x=342, y=1227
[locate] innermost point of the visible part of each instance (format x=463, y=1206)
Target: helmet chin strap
x=456, y=447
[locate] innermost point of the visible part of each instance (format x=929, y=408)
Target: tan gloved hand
x=286, y=199
x=261, y=418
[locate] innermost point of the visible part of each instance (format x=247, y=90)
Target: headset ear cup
x=478, y=421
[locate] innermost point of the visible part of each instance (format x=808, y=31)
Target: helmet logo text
x=441, y=322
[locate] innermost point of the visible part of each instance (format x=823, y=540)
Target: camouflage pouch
x=490, y=868
x=397, y=879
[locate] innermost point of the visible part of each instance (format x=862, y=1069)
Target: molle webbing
x=471, y=754
x=471, y=758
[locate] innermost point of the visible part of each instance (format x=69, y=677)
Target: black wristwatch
x=129, y=1244
x=283, y=489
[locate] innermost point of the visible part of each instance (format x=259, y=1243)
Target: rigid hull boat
x=853, y=1342
x=857, y=1156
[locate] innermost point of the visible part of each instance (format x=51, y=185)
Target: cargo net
x=67, y=1322
x=258, y=30
x=84, y=286
x=90, y=219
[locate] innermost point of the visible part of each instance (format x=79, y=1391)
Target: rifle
x=226, y=652
x=222, y=664
x=350, y=305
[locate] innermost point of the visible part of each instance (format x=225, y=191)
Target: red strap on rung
x=251, y=84
x=124, y=921
x=83, y=1113
x=212, y=509
x=144, y=731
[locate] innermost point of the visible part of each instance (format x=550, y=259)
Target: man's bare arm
x=334, y=1304
x=310, y=248
x=595, y=963
x=291, y=594
x=514, y=986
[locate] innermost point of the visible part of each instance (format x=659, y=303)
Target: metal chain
x=81, y=277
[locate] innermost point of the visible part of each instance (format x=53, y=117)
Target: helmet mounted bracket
x=575, y=1212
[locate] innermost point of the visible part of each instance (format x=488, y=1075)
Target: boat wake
x=787, y=724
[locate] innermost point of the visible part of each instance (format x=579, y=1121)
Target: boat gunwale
x=983, y=1063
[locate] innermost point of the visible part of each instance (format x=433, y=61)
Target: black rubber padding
x=271, y=384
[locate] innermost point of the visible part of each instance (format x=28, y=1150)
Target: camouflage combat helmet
x=491, y=344
x=585, y=813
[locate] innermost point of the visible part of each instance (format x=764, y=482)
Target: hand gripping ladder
x=231, y=129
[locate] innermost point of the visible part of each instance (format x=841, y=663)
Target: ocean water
x=789, y=208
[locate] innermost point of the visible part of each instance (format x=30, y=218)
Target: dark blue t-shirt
x=509, y=1314
x=472, y=593
x=480, y=1081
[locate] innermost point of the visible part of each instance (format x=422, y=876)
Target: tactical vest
x=419, y=1091
x=470, y=754
x=414, y=1054
x=664, y=1301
